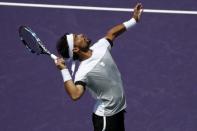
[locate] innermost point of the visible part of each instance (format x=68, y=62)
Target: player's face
x=82, y=42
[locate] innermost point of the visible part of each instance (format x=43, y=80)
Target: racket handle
x=53, y=57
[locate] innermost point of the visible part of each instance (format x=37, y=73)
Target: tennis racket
x=33, y=43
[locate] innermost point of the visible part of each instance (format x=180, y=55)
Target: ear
x=75, y=50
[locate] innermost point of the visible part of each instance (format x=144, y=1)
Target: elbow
x=75, y=93
x=74, y=98
x=110, y=35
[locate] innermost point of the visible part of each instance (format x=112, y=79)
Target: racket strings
x=31, y=41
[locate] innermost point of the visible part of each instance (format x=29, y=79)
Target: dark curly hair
x=62, y=46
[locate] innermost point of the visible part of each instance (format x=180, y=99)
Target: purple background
x=157, y=59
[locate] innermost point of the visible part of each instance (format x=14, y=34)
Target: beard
x=75, y=56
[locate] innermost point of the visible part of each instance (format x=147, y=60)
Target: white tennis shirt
x=102, y=79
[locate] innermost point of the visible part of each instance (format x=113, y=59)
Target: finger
x=62, y=62
x=142, y=10
x=60, y=59
x=56, y=60
x=139, y=6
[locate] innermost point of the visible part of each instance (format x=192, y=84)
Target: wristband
x=130, y=23
x=66, y=75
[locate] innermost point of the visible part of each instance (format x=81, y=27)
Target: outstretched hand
x=138, y=9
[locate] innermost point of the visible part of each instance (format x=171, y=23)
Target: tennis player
x=97, y=73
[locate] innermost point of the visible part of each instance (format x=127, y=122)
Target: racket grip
x=53, y=57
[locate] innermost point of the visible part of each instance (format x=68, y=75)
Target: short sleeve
x=81, y=78
x=110, y=42
x=103, y=43
x=80, y=83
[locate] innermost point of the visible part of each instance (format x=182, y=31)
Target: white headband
x=70, y=40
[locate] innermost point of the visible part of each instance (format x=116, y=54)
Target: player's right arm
x=75, y=91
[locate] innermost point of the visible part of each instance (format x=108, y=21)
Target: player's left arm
x=119, y=29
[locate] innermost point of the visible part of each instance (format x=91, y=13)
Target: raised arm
x=119, y=29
